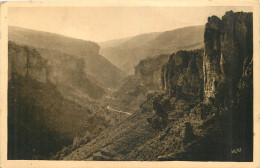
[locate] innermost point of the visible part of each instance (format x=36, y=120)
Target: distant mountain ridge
x=41, y=39
x=127, y=54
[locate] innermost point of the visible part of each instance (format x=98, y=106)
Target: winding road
x=109, y=108
x=118, y=111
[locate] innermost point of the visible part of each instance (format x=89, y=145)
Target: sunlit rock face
x=183, y=73
x=228, y=44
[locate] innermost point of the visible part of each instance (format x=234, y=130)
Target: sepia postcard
x=129, y=84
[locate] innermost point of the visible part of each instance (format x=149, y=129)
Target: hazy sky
x=107, y=23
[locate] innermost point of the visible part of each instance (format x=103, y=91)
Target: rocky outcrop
x=149, y=70
x=221, y=76
x=228, y=44
x=183, y=73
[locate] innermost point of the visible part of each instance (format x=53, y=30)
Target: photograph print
x=142, y=83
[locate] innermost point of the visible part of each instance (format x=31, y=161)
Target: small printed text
x=234, y=151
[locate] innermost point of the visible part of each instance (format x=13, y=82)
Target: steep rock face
x=183, y=72
x=149, y=70
x=228, y=43
x=223, y=77
x=227, y=110
x=133, y=92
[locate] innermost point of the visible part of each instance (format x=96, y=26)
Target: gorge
x=187, y=102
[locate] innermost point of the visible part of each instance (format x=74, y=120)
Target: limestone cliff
x=223, y=80
x=228, y=48
x=149, y=70
x=208, y=94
